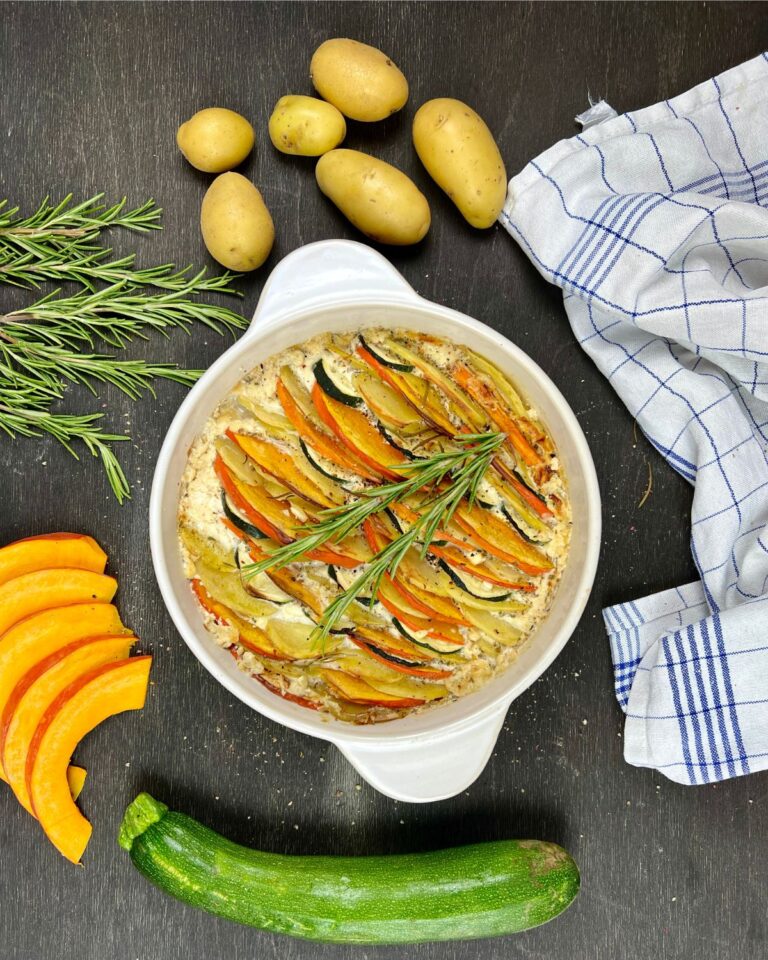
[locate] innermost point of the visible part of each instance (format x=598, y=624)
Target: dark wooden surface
x=90, y=98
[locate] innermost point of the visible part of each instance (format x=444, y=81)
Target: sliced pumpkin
x=40, y=635
x=55, y=587
x=102, y=692
x=415, y=389
x=466, y=408
x=424, y=671
x=298, y=407
x=76, y=780
x=498, y=538
x=35, y=692
x=496, y=409
x=356, y=690
x=381, y=676
x=357, y=432
x=282, y=466
x=51, y=550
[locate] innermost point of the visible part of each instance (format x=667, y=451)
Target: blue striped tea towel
x=655, y=225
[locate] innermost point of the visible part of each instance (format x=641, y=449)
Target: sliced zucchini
x=428, y=643
x=392, y=364
x=500, y=598
x=328, y=386
x=313, y=463
x=248, y=528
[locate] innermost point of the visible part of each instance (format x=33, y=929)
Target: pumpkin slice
x=54, y=587
x=416, y=390
x=76, y=780
x=497, y=410
x=355, y=430
x=501, y=540
x=297, y=404
x=281, y=465
x=356, y=690
x=51, y=550
x=42, y=634
x=35, y=692
x=102, y=692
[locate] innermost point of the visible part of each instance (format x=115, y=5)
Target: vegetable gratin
x=374, y=523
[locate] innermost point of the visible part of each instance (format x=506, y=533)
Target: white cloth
x=655, y=226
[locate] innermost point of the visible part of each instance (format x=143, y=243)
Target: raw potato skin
x=306, y=126
x=376, y=197
x=358, y=79
x=215, y=139
x=461, y=156
x=237, y=227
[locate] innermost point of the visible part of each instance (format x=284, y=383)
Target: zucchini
x=435, y=645
x=481, y=890
x=402, y=367
x=328, y=386
x=247, y=528
x=462, y=586
x=316, y=465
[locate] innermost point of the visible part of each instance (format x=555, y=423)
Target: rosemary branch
x=464, y=467
x=56, y=338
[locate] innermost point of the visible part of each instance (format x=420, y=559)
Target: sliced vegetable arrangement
x=65, y=666
x=483, y=890
x=373, y=523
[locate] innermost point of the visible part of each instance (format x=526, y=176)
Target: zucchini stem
x=139, y=816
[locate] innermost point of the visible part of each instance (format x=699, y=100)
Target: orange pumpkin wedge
x=76, y=780
x=355, y=430
x=487, y=398
x=355, y=690
x=102, y=692
x=38, y=688
x=53, y=587
x=498, y=538
x=40, y=635
x=51, y=550
x=280, y=465
x=325, y=444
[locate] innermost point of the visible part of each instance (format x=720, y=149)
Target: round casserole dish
x=335, y=286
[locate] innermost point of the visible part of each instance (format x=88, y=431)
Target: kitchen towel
x=654, y=223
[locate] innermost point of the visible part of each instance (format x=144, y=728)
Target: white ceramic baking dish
x=335, y=286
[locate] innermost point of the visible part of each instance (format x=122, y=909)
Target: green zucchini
x=247, y=528
x=392, y=364
x=500, y=598
x=316, y=465
x=482, y=890
x=328, y=386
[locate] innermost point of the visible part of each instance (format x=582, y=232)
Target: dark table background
x=90, y=99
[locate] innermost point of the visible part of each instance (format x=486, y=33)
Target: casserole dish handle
x=330, y=272
x=422, y=770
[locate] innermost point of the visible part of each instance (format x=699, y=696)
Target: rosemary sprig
x=463, y=467
x=56, y=338
x=63, y=222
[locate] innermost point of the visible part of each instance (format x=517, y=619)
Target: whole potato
x=376, y=197
x=360, y=80
x=306, y=126
x=461, y=156
x=215, y=139
x=236, y=225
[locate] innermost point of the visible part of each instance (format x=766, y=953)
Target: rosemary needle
x=464, y=467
